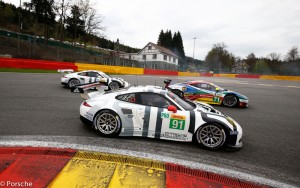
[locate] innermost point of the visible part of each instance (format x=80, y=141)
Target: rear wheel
x=108, y=123
x=230, y=100
x=113, y=85
x=73, y=82
x=211, y=136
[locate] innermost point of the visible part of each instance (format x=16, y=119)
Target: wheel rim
x=230, y=100
x=211, y=136
x=107, y=123
x=73, y=83
x=114, y=86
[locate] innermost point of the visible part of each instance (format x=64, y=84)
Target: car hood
x=204, y=107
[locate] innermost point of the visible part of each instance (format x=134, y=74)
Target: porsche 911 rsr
x=91, y=76
x=150, y=111
x=209, y=93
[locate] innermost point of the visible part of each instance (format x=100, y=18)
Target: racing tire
x=73, y=82
x=114, y=86
x=211, y=136
x=230, y=100
x=108, y=123
x=178, y=93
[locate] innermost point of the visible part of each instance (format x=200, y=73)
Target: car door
x=205, y=92
x=84, y=78
x=158, y=122
x=92, y=76
x=131, y=114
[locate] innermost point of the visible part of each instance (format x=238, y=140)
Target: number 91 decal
x=177, y=122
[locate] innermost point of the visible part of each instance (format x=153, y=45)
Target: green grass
x=27, y=70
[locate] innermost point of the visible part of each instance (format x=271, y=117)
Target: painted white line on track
x=265, y=85
x=293, y=87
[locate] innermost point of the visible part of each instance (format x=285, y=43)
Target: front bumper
x=243, y=103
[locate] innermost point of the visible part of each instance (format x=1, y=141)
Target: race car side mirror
x=172, y=108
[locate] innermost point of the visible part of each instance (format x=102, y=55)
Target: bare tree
x=292, y=54
x=61, y=7
x=92, y=20
x=274, y=56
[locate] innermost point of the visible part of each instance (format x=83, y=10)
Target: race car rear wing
x=101, y=85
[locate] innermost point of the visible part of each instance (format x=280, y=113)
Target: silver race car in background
x=150, y=111
x=90, y=76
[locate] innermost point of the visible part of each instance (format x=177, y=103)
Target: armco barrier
x=290, y=78
x=160, y=72
x=110, y=69
x=225, y=75
x=247, y=76
x=188, y=74
x=206, y=74
x=35, y=64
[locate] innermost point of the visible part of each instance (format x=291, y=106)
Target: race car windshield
x=220, y=88
x=184, y=104
x=105, y=75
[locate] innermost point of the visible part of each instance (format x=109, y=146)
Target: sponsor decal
x=89, y=116
x=174, y=136
x=177, y=122
x=164, y=115
x=216, y=99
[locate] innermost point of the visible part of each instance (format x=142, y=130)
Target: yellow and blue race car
x=209, y=93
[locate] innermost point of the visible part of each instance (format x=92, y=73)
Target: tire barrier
x=110, y=69
x=35, y=64
x=54, y=65
x=160, y=72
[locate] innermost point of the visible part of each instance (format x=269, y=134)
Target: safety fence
x=54, y=65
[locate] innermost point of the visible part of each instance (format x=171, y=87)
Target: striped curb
x=54, y=167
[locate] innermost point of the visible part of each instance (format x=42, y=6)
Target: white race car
x=150, y=111
x=90, y=76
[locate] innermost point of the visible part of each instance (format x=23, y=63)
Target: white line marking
x=293, y=87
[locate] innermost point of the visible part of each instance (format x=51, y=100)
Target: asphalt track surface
x=37, y=107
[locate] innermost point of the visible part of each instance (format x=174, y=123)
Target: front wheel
x=113, y=86
x=108, y=123
x=211, y=136
x=230, y=101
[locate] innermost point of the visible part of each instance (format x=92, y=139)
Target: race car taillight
x=86, y=104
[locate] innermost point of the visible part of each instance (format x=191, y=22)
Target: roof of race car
x=196, y=81
x=91, y=71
